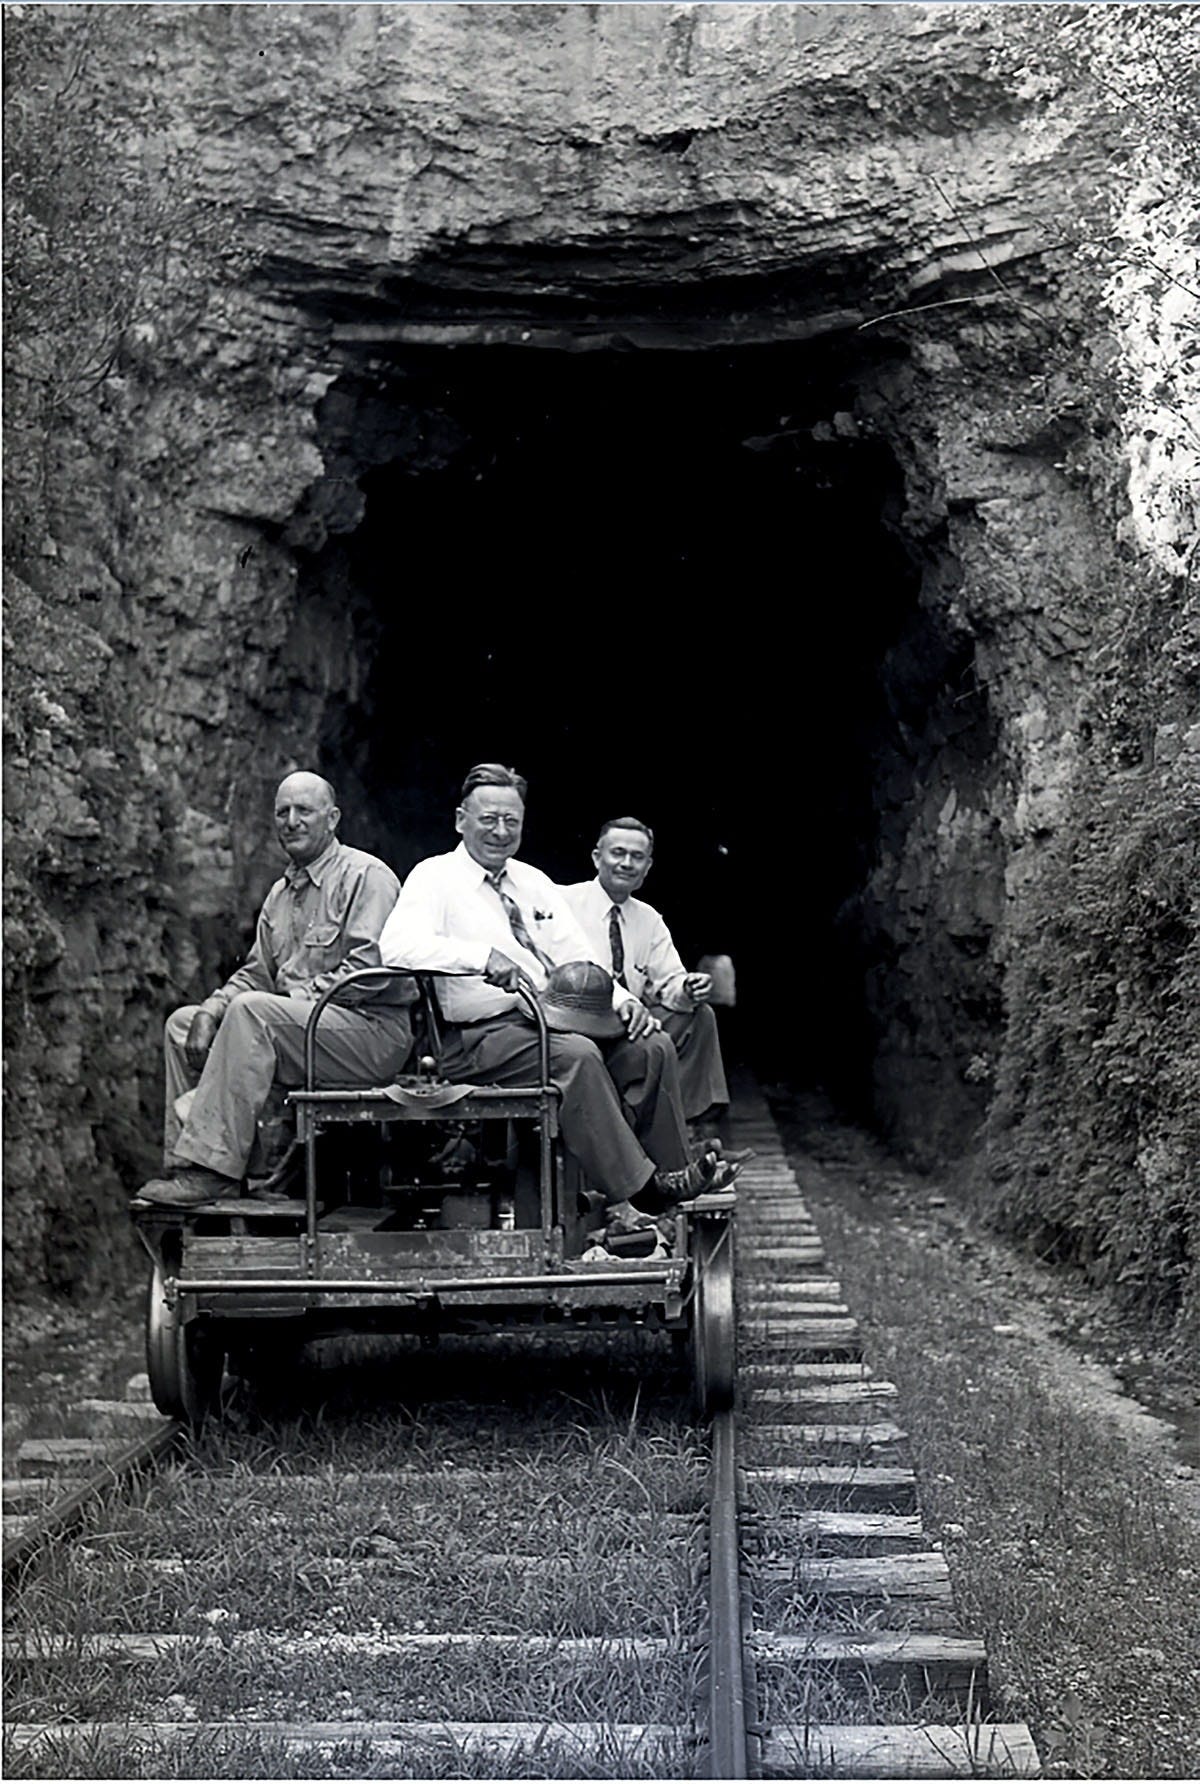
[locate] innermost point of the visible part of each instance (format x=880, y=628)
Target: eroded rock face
x=589, y=178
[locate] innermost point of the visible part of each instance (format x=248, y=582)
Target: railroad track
x=770, y=1606
x=41, y=1508
x=857, y=1664
x=408, y=1618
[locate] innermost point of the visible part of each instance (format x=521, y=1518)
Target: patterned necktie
x=617, y=945
x=516, y=921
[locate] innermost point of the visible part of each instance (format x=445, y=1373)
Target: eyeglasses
x=490, y=820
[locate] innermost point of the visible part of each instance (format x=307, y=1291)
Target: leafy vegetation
x=113, y=252
x=1095, y=1128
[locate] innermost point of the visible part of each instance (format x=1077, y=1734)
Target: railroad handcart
x=430, y=1208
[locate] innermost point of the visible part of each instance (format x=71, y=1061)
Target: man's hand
x=698, y=987
x=638, y=1020
x=202, y=1032
x=505, y=973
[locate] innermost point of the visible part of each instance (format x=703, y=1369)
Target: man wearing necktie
x=478, y=911
x=630, y=934
x=320, y=921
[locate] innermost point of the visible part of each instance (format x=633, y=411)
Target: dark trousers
x=701, y=1068
x=621, y=1113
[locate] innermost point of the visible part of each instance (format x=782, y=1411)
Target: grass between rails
x=549, y=1488
x=245, y=1754
x=1070, y=1555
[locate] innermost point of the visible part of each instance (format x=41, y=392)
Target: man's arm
x=372, y=900
x=414, y=934
x=256, y=973
x=666, y=975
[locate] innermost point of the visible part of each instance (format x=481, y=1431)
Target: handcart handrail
x=329, y=995
x=546, y=1088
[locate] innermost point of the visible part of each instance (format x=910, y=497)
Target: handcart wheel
x=184, y=1362
x=267, y=1358
x=713, y=1325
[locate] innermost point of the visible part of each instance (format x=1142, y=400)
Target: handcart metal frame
x=236, y=1277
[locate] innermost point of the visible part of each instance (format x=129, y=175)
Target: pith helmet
x=577, y=999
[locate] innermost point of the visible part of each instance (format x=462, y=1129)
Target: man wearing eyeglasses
x=479, y=911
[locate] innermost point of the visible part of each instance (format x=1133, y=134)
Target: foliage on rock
x=114, y=261
x=1094, y=1133
x=105, y=227
x=1095, y=1128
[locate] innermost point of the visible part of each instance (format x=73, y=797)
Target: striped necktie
x=617, y=945
x=516, y=921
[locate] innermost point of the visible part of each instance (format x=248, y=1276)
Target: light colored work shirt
x=449, y=917
x=653, y=970
x=318, y=923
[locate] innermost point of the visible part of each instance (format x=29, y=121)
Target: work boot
x=730, y=1155
x=190, y=1187
x=709, y=1171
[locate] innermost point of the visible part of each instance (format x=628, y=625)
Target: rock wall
x=597, y=177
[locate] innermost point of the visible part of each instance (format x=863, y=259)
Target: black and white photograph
x=601, y=679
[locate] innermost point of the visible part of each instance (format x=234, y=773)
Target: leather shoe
x=710, y=1171
x=190, y=1187
x=732, y=1155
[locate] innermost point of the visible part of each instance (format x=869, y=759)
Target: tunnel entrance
x=671, y=584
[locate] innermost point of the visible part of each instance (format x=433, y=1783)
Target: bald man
x=320, y=921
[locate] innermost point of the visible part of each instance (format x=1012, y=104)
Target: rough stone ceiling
x=749, y=172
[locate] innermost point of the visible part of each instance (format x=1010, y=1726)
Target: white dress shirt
x=449, y=918
x=653, y=970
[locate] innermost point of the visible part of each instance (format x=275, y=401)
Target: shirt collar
x=609, y=903
x=312, y=870
x=476, y=874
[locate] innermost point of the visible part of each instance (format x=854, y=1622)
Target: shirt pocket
x=322, y=935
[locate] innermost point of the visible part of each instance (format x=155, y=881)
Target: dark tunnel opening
x=659, y=583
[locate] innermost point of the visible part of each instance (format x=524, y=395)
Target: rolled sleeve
x=366, y=916
x=257, y=972
x=665, y=971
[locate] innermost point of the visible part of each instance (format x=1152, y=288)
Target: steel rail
x=67, y=1510
x=728, y=1756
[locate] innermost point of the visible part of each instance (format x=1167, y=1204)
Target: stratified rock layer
x=590, y=177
